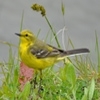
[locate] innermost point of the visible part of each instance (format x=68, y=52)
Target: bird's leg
x=40, y=87
x=33, y=85
x=34, y=80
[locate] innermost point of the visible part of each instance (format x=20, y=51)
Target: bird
x=39, y=55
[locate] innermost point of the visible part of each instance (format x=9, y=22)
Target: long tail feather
x=77, y=51
x=73, y=53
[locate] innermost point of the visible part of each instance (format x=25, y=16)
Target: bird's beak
x=18, y=34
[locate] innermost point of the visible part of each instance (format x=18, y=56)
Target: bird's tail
x=73, y=52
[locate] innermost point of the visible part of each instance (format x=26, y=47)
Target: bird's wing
x=44, y=50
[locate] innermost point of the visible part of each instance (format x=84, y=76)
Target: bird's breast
x=32, y=61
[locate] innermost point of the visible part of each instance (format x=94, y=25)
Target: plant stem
x=52, y=31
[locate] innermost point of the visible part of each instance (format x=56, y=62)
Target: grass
x=63, y=84
x=76, y=79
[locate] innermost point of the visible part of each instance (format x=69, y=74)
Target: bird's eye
x=26, y=35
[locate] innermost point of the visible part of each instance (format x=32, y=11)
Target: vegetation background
x=78, y=80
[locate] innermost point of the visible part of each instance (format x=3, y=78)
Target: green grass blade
x=38, y=32
x=22, y=18
x=98, y=52
x=85, y=96
x=91, y=89
x=70, y=74
x=62, y=8
x=25, y=93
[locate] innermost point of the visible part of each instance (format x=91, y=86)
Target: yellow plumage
x=39, y=55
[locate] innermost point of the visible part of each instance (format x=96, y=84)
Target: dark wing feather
x=42, y=51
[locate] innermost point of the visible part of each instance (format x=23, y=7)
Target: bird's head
x=26, y=36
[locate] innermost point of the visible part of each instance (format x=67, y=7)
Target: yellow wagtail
x=39, y=55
